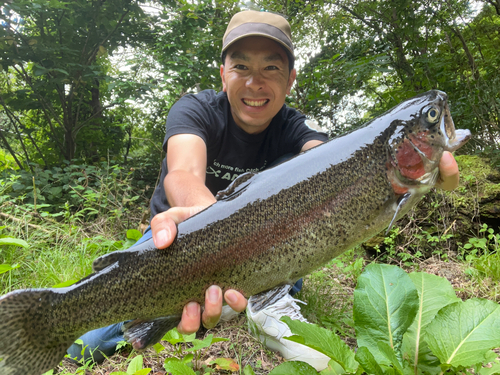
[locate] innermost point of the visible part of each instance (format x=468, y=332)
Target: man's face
x=256, y=79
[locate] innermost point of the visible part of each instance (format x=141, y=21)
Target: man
x=212, y=138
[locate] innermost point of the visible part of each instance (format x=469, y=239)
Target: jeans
x=102, y=342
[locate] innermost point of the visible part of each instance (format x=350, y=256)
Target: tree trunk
x=11, y=151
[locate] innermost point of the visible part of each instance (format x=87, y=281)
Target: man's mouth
x=255, y=103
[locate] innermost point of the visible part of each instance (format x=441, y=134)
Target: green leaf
x=227, y=364
x=201, y=344
x=143, y=371
x=178, y=368
x=368, y=361
x=389, y=353
x=334, y=368
x=434, y=293
x=135, y=365
x=385, y=304
x=174, y=337
x=248, y=370
x=294, y=368
x=134, y=234
x=13, y=242
x=463, y=332
x=158, y=347
x=322, y=340
x=494, y=369
x=7, y=267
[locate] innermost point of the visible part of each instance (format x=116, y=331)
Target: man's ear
x=291, y=80
x=222, y=78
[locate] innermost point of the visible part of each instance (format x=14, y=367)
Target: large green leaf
x=385, y=304
x=178, y=368
x=294, y=368
x=322, y=340
x=7, y=267
x=462, y=333
x=368, y=361
x=434, y=293
x=13, y=242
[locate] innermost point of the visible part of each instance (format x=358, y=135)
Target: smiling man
x=211, y=139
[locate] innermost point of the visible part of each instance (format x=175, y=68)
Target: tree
x=56, y=54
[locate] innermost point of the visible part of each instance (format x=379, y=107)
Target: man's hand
x=448, y=170
x=164, y=230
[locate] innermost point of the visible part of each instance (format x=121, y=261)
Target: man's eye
x=239, y=66
x=272, y=67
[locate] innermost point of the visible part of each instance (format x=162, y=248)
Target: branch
x=79, y=127
x=2, y=137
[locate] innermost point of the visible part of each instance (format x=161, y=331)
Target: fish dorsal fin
x=105, y=261
x=401, y=203
x=236, y=188
x=143, y=333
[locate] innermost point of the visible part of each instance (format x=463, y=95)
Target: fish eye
x=433, y=115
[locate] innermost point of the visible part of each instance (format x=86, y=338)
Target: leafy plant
x=406, y=324
x=187, y=360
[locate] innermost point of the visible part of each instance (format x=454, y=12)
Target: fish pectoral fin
x=143, y=333
x=401, y=203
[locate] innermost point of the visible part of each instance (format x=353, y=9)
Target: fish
x=266, y=230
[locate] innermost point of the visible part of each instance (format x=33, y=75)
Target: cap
x=254, y=23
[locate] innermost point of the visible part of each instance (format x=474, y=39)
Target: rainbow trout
x=266, y=230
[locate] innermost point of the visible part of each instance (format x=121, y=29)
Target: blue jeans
x=102, y=342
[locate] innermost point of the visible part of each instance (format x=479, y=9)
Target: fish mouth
x=455, y=138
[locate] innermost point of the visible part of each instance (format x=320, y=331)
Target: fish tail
x=28, y=344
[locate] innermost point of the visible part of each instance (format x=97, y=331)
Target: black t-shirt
x=230, y=150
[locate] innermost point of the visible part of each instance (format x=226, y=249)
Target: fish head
x=417, y=145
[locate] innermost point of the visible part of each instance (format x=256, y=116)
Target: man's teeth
x=255, y=103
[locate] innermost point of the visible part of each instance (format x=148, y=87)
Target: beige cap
x=254, y=23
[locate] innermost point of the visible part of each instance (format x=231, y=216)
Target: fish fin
x=25, y=344
x=236, y=187
x=262, y=300
x=143, y=333
x=401, y=202
x=106, y=260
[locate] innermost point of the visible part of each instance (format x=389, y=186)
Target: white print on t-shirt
x=227, y=172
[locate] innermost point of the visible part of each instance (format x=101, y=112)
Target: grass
x=61, y=251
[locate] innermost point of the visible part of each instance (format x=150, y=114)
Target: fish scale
x=267, y=229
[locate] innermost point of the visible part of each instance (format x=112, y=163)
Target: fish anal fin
x=143, y=333
x=265, y=299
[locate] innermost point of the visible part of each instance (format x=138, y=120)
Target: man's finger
x=163, y=229
x=190, y=321
x=164, y=225
x=448, y=170
x=235, y=300
x=213, y=307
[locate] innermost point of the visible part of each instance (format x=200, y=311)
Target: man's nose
x=255, y=81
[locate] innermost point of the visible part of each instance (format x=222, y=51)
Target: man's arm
x=187, y=193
